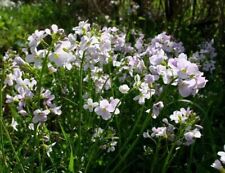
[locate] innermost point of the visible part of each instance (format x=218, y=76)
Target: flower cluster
x=184, y=131
x=106, y=137
x=92, y=52
x=95, y=74
x=24, y=91
x=104, y=108
x=205, y=57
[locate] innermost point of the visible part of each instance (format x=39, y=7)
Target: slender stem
x=131, y=146
x=80, y=101
x=93, y=150
x=155, y=156
x=44, y=64
x=13, y=148
x=168, y=157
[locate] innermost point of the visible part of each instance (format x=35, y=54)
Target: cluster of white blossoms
x=7, y=3
x=107, y=138
x=219, y=163
x=149, y=62
x=185, y=122
x=113, y=69
x=24, y=89
x=205, y=57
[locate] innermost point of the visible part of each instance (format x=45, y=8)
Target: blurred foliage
x=188, y=20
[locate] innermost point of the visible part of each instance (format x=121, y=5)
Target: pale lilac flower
x=150, y=78
x=190, y=136
x=36, y=57
x=139, y=43
x=187, y=87
x=106, y=108
x=40, y=115
x=36, y=38
x=157, y=107
x=217, y=165
x=158, y=57
x=19, y=61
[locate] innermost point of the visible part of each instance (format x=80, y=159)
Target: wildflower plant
x=86, y=99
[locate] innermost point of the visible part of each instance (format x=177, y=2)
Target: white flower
x=159, y=132
x=31, y=126
x=97, y=134
x=180, y=116
x=9, y=79
x=83, y=27
x=145, y=93
x=111, y=147
x=56, y=110
x=22, y=112
x=61, y=57
x=222, y=156
x=146, y=134
x=49, y=149
x=14, y=124
x=90, y=105
x=124, y=89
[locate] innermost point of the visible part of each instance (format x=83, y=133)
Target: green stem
x=13, y=148
x=80, y=101
x=93, y=150
x=222, y=170
x=124, y=156
x=168, y=159
x=44, y=64
x=155, y=156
